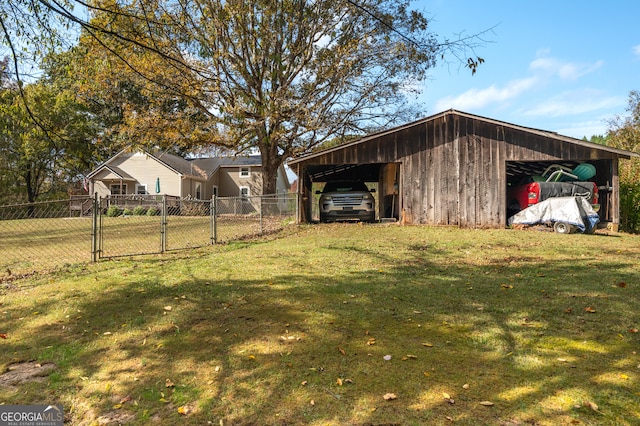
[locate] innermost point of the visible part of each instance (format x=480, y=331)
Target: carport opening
x=382, y=178
x=523, y=172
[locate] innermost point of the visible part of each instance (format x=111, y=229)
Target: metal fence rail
x=38, y=236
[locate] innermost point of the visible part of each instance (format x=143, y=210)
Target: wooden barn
x=454, y=168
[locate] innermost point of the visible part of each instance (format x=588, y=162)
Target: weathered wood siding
x=453, y=167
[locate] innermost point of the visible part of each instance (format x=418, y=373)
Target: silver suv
x=347, y=200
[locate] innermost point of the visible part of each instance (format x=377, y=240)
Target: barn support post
x=615, y=195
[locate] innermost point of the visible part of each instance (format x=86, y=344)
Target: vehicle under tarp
x=574, y=211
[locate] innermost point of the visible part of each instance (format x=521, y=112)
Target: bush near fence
x=44, y=235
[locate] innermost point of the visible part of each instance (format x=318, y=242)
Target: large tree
x=45, y=148
x=624, y=132
x=279, y=76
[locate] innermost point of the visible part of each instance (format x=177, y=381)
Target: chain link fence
x=45, y=235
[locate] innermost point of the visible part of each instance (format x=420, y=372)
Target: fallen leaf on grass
x=371, y=341
x=3, y=336
x=486, y=403
x=428, y=345
x=465, y=386
x=168, y=383
x=183, y=410
x=342, y=351
x=590, y=310
x=404, y=358
x=622, y=284
x=167, y=308
x=339, y=382
x=507, y=286
x=448, y=398
x=591, y=405
x=631, y=330
x=624, y=377
x=389, y=396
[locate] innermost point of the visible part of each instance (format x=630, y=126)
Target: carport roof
x=546, y=133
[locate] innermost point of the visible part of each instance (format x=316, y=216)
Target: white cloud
x=574, y=103
x=564, y=70
x=585, y=129
x=478, y=98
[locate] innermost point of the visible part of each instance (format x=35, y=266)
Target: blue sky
x=566, y=66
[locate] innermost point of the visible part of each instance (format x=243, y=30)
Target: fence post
x=214, y=221
x=163, y=225
x=94, y=229
x=261, y=199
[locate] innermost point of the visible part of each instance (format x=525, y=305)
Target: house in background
x=161, y=173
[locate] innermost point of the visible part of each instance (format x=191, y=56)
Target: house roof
x=211, y=164
x=545, y=133
x=173, y=162
x=116, y=171
x=179, y=164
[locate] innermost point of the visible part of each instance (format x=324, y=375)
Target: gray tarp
x=576, y=211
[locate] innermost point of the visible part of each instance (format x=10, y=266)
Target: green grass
x=29, y=245
x=294, y=330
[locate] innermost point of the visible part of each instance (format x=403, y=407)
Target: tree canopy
x=624, y=132
x=35, y=161
x=277, y=76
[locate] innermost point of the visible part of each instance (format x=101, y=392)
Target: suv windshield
x=344, y=187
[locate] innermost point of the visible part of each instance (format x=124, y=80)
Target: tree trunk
x=271, y=162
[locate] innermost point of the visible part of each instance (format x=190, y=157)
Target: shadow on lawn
x=308, y=348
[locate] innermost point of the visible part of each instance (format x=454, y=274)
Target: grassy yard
x=29, y=245
x=339, y=324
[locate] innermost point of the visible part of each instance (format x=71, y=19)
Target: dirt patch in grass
x=25, y=372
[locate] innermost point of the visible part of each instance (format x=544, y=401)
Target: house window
x=141, y=189
x=245, y=172
x=115, y=189
x=244, y=191
x=198, y=191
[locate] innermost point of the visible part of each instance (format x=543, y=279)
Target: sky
x=565, y=66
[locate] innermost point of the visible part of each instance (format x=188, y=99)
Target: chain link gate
x=50, y=234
